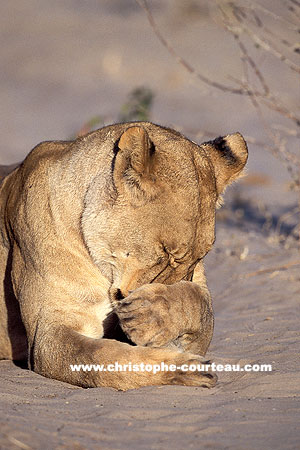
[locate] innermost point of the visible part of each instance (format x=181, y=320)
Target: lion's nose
x=116, y=295
x=119, y=295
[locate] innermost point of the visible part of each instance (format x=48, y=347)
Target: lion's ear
x=133, y=167
x=229, y=155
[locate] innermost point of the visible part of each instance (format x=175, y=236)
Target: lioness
x=100, y=237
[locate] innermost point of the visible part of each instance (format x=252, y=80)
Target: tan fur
x=99, y=241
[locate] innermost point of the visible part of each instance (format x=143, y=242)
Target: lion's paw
x=145, y=318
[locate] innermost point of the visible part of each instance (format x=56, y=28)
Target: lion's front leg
x=178, y=315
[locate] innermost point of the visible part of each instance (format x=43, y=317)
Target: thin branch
x=279, y=150
x=200, y=134
x=267, y=46
x=292, y=9
x=291, y=161
x=266, y=97
x=295, y=2
x=257, y=6
x=258, y=40
x=182, y=61
x=261, y=41
x=253, y=66
x=286, y=131
x=270, y=102
x=284, y=217
x=270, y=269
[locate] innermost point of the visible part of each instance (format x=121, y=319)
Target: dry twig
x=270, y=269
x=214, y=84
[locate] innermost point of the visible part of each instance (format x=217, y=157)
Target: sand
x=62, y=63
x=257, y=321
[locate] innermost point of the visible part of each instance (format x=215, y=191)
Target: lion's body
x=90, y=228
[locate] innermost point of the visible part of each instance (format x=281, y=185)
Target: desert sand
x=257, y=321
x=62, y=62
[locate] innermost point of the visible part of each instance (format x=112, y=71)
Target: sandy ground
x=257, y=321
x=63, y=62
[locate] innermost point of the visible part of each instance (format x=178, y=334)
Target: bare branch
x=270, y=269
x=295, y=2
x=182, y=61
x=251, y=62
x=256, y=6
x=262, y=42
x=279, y=150
x=266, y=97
